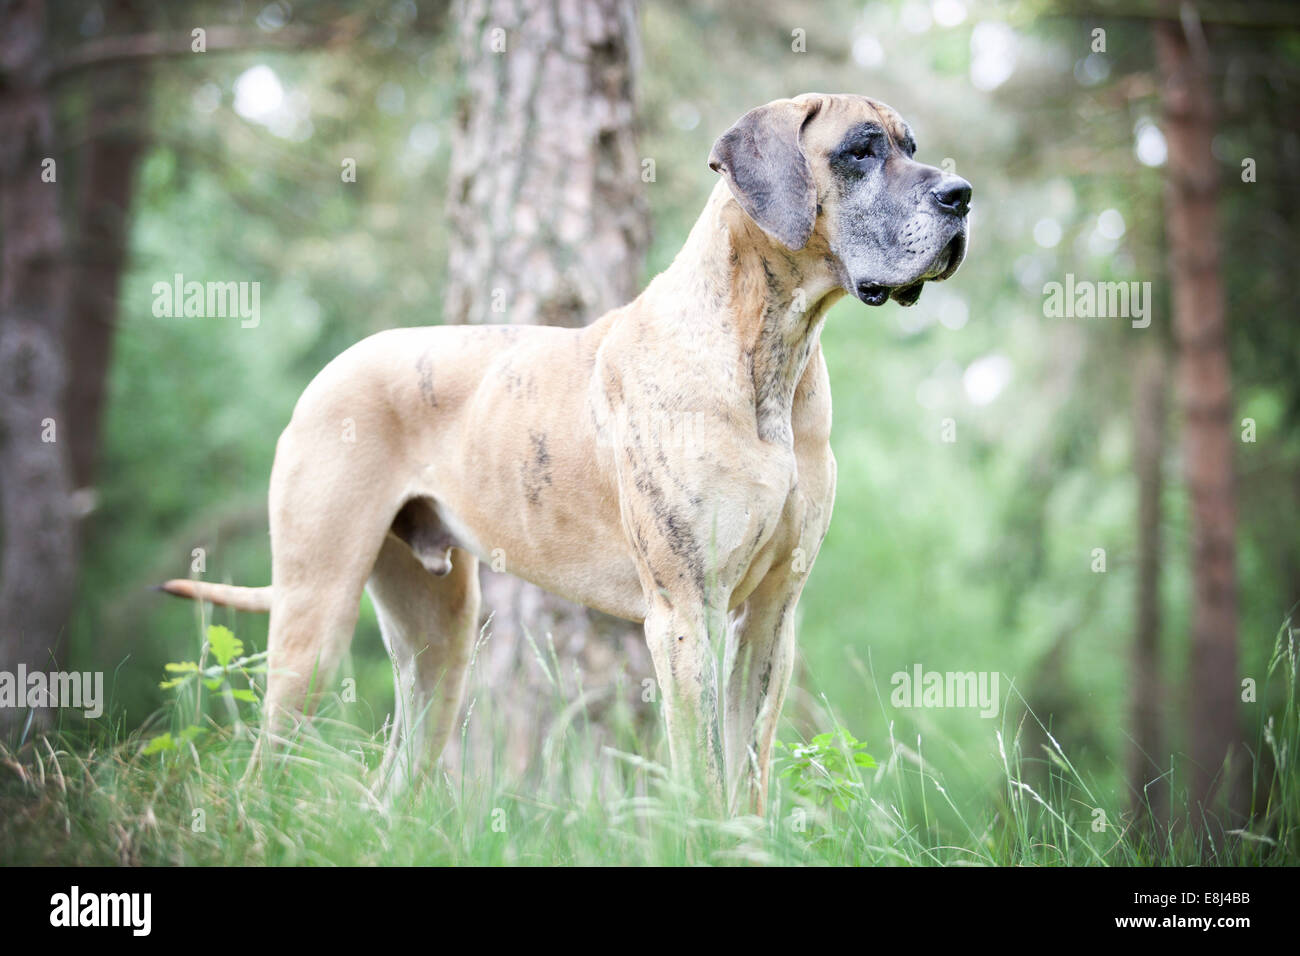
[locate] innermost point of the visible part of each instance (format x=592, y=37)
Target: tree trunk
x=38, y=565
x=115, y=138
x=1147, y=763
x=548, y=226
x=1205, y=399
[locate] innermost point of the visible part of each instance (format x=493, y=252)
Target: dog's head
x=840, y=167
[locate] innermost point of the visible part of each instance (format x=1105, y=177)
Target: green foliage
x=231, y=662
x=825, y=768
x=106, y=799
x=165, y=741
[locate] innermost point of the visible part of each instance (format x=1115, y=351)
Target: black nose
x=871, y=293
x=952, y=195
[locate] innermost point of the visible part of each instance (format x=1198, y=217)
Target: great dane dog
x=668, y=464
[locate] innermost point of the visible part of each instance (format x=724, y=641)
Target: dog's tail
x=255, y=600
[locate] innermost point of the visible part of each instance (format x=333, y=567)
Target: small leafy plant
x=823, y=767
x=230, y=662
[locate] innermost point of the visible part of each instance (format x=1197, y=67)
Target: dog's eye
x=857, y=155
x=862, y=150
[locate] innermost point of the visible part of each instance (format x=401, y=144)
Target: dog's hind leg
x=314, y=607
x=428, y=622
x=331, y=505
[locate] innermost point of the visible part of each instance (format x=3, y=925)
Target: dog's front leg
x=758, y=664
x=678, y=634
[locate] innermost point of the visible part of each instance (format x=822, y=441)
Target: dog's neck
x=770, y=301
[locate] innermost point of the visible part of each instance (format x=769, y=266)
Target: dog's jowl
x=669, y=463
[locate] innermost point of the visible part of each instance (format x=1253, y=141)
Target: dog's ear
x=763, y=159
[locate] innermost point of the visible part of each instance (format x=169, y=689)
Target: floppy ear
x=764, y=162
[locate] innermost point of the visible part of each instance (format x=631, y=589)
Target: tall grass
x=95, y=798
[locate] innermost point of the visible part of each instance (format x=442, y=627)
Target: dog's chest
x=752, y=519
x=786, y=535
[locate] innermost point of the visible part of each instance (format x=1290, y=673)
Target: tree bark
x=1147, y=764
x=1205, y=400
x=115, y=139
x=548, y=226
x=38, y=565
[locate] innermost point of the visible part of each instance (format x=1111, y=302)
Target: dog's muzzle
x=944, y=265
x=950, y=200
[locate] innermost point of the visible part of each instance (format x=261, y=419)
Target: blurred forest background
x=1073, y=434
